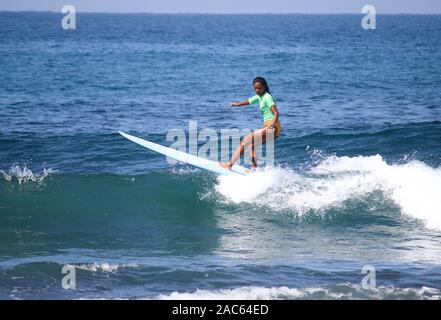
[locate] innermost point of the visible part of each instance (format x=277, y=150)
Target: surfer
x=271, y=124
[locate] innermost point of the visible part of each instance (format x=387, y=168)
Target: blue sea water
x=356, y=181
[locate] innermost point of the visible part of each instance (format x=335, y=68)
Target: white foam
x=414, y=186
x=248, y=188
x=103, y=267
x=243, y=293
x=23, y=174
x=341, y=291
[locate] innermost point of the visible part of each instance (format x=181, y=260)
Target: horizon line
x=218, y=13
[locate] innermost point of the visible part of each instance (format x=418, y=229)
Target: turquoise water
x=356, y=180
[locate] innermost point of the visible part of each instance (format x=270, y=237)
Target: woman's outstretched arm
x=239, y=104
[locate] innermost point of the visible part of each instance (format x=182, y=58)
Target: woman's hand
x=271, y=128
x=240, y=104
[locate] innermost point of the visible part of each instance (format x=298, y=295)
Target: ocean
x=351, y=208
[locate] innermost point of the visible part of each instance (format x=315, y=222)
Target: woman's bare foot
x=226, y=165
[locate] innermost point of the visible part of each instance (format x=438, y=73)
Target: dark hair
x=262, y=81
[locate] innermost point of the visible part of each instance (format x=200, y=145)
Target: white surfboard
x=186, y=157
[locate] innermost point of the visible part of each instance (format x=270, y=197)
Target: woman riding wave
x=271, y=123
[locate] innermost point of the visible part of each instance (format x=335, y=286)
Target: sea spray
x=24, y=174
x=413, y=186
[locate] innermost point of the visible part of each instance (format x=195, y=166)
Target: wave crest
x=341, y=291
x=413, y=186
